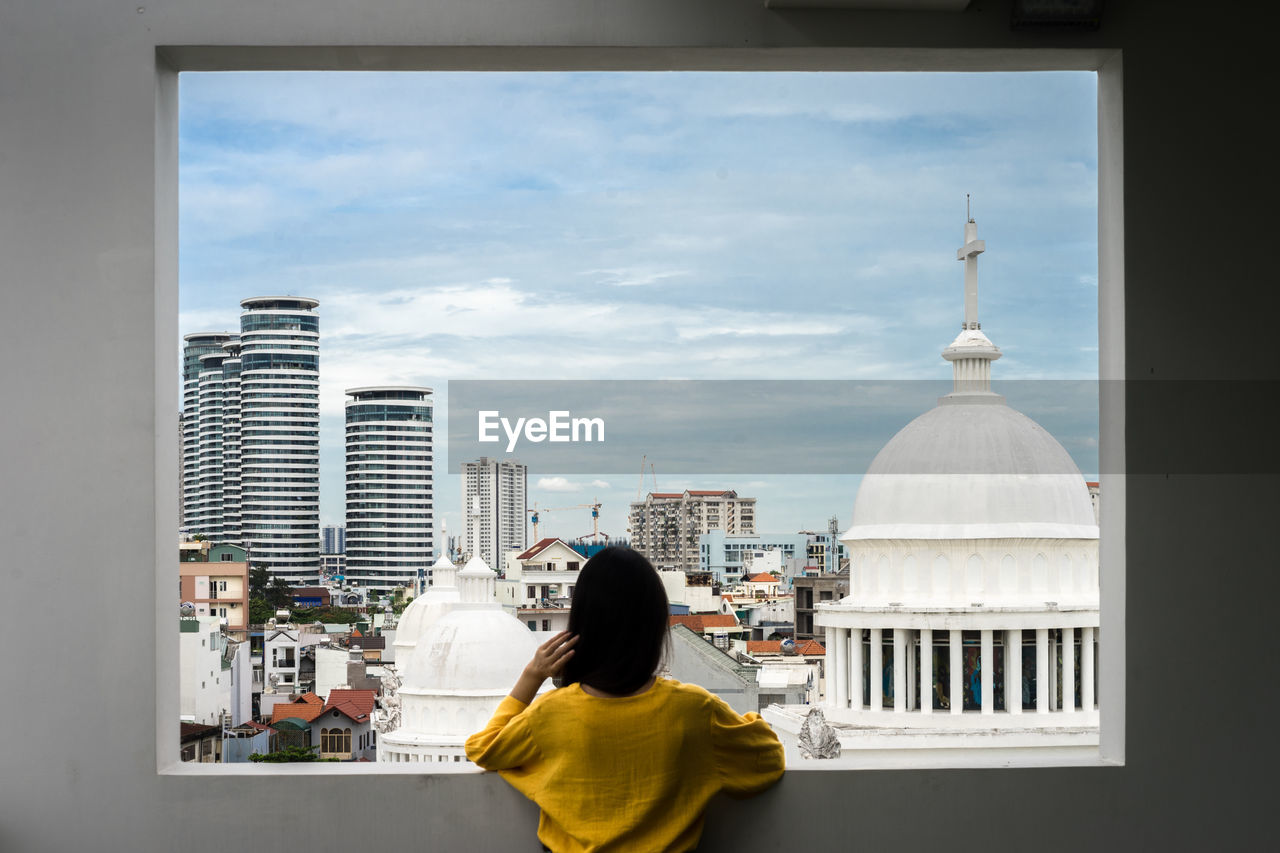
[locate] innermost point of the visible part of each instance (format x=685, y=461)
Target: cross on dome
x=971, y=353
x=969, y=254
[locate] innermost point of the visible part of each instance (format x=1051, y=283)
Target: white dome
x=472, y=648
x=972, y=468
x=424, y=611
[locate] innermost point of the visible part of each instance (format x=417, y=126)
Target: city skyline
x=642, y=226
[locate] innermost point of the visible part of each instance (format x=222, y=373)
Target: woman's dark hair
x=621, y=617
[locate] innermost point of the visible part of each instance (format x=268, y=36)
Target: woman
x=617, y=758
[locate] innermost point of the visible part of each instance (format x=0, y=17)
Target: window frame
x=171, y=60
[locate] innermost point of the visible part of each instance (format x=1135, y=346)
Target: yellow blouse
x=633, y=773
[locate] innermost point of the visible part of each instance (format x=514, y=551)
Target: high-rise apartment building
x=494, y=500
x=210, y=391
x=251, y=435
x=665, y=526
x=389, y=533
x=333, y=539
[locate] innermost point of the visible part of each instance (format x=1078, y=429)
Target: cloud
x=600, y=484
x=556, y=484
x=632, y=277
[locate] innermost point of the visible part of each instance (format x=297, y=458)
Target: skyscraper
x=333, y=539
x=494, y=498
x=389, y=487
x=201, y=512
x=280, y=434
x=251, y=435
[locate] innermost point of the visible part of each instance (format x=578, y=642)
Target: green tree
x=260, y=611
x=279, y=593
x=289, y=754
x=259, y=579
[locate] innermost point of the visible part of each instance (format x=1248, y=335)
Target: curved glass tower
x=279, y=440
x=389, y=490
x=200, y=511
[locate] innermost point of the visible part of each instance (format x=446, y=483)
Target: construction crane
x=640, y=485
x=595, y=517
x=595, y=534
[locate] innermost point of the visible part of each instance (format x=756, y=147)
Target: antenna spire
x=968, y=217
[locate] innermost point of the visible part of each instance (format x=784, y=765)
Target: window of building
x=720, y=640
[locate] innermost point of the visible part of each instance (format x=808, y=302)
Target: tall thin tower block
x=279, y=387
x=494, y=500
x=389, y=486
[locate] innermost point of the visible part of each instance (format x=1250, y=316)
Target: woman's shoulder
x=690, y=693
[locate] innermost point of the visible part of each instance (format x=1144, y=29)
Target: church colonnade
x=972, y=665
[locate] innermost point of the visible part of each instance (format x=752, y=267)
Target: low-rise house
x=760, y=585
x=200, y=743
x=810, y=590
x=204, y=686
x=310, y=596
x=789, y=666
x=217, y=584
x=371, y=646
x=719, y=628
x=239, y=742
x=696, y=661
x=539, y=582
x=337, y=667
x=344, y=727
x=691, y=592
x=284, y=668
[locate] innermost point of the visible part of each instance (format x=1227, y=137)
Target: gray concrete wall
x=90, y=356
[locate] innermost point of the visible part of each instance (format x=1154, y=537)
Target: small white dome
x=972, y=469
x=471, y=648
x=425, y=610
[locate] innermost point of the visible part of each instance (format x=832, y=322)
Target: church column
x=899, y=670
x=913, y=663
x=1053, y=671
x=986, y=671
x=833, y=672
x=926, y=670
x=957, y=672
x=840, y=668
x=875, y=674
x=1086, y=668
x=1042, y=670
x=1068, y=669
x=1013, y=671
x=855, y=668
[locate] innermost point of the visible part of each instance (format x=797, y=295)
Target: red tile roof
x=666, y=494
x=306, y=707
x=701, y=622
x=709, y=492
x=356, y=704
x=538, y=546
x=774, y=647
x=763, y=577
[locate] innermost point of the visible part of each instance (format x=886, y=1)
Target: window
x=719, y=640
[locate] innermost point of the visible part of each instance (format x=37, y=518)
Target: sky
x=646, y=225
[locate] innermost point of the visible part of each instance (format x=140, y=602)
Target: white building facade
x=204, y=692
x=388, y=539
x=495, y=498
x=972, y=615
x=461, y=666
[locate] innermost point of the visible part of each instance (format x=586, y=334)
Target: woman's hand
x=547, y=662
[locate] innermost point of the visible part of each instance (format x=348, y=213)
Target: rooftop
x=701, y=622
